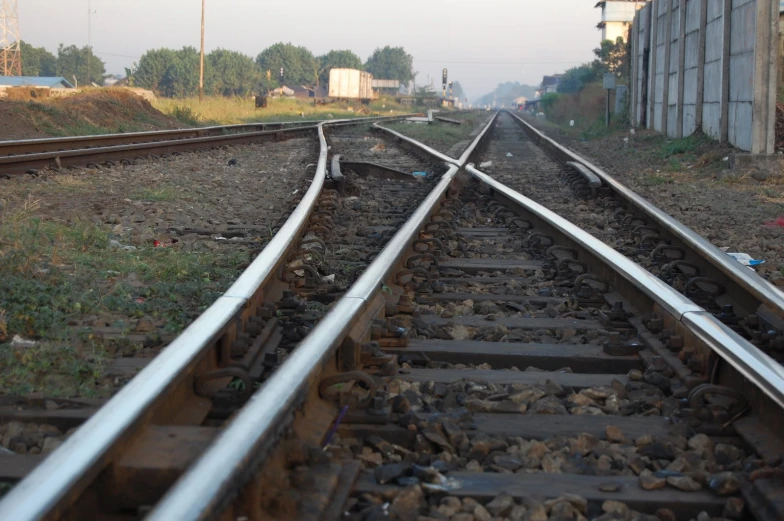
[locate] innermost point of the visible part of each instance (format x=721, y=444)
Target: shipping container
x=350, y=84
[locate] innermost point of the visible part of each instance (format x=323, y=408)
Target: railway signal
x=280, y=78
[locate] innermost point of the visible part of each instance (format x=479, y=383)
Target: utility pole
x=201, y=58
x=443, y=81
x=10, y=49
x=89, y=41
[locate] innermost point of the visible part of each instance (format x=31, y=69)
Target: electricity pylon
x=10, y=49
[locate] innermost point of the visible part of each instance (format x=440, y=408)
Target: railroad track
x=29, y=156
x=403, y=399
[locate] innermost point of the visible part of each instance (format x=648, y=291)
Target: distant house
x=520, y=102
x=112, y=80
x=43, y=82
x=617, y=16
x=549, y=85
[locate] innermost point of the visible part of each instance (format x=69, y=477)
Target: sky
x=481, y=43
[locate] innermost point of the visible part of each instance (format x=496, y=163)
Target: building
x=549, y=85
x=40, y=82
x=36, y=86
x=617, y=16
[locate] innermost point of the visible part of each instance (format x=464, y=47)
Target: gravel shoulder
x=688, y=178
x=97, y=265
x=448, y=138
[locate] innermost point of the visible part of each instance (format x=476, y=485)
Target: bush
x=584, y=107
x=185, y=115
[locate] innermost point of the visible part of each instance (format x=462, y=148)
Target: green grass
x=684, y=146
x=599, y=129
x=654, y=180
x=56, y=278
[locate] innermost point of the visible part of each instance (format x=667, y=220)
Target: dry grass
x=226, y=111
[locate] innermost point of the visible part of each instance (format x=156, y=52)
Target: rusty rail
x=59, y=144
x=19, y=157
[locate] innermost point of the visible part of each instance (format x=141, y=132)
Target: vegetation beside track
x=96, y=111
x=219, y=110
x=85, y=300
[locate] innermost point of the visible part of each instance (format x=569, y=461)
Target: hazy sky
x=482, y=43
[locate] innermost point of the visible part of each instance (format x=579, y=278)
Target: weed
x=185, y=115
x=686, y=145
x=673, y=164
x=57, y=277
x=237, y=385
x=655, y=180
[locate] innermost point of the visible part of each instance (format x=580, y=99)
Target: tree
x=391, y=63
x=182, y=76
x=336, y=60
x=168, y=72
x=298, y=64
x=611, y=57
x=506, y=93
x=575, y=79
x=152, y=68
x=231, y=73
x=457, y=91
x=37, y=61
x=72, y=61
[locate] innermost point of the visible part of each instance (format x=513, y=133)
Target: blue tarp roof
x=34, y=81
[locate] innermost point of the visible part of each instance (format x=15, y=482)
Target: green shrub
x=185, y=115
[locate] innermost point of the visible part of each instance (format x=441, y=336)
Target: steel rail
x=433, y=152
x=68, y=471
x=764, y=372
x=21, y=163
x=207, y=485
x=30, y=146
x=253, y=431
x=758, y=287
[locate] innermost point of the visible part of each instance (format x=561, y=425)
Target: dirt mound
x=92, y=112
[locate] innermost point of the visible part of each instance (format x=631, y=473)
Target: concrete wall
x=713, y=64
x=660, y=10
x=691, y=59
